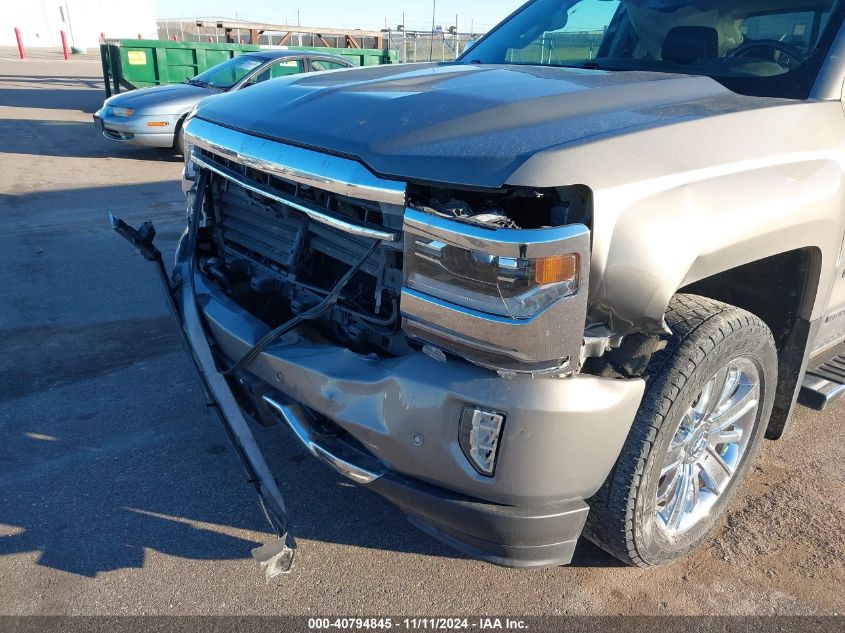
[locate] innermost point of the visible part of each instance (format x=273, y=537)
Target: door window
x=798, y=29
x=325, y=64
x=281, y=68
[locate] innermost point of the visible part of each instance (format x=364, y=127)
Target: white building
x=42, y=21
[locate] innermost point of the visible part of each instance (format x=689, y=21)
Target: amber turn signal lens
x=158, y=124
x=553, y=270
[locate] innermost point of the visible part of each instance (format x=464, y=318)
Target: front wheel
x=180, y=141
x=708, y=400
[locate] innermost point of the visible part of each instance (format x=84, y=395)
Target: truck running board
x=825, y=380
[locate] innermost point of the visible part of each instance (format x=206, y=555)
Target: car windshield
x=227, y=74
x=757, y=47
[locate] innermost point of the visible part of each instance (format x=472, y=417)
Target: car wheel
x=180, y=140
x=708, y=399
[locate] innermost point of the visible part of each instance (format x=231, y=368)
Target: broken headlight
x=513, y=287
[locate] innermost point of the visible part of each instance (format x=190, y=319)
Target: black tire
x=706, y=335
x=179, y=141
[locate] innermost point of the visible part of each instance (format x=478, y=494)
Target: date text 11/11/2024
x=417, y=624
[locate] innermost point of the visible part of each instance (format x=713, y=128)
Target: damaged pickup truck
x=563, y=285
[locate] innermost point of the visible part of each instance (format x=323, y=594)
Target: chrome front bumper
x=336, y=455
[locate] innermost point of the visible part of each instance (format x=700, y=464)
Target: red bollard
x=64, y=46
x=21, y=51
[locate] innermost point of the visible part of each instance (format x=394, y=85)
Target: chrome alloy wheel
x=708, y=446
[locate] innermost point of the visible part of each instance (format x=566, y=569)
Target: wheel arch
x=783, y=291
x=178, y=129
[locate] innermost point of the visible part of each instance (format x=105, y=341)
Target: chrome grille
x=304, y=237
x=267, y=232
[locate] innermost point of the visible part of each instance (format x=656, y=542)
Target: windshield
x=757, y=47
x=227, y=74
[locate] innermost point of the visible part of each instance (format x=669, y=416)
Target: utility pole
x=457, y=38
x=69, y=25
x=404, y=39
x=433, y=17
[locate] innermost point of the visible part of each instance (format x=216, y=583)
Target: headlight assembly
x=515, y=287
x=124, y=113
x=508, y=299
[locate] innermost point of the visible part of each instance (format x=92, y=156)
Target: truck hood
x=460, y=123
x=174, y=99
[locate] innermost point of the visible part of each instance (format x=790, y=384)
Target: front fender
x=697, y=230
x=682, y=202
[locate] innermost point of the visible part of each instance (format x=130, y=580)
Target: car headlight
x=515, y=287
x=121, y=112
x=508, y=299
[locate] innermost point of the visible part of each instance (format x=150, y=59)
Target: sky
x=362, y=14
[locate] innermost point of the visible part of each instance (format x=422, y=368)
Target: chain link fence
x=188, y=31
x=413, y=46
x=560, y=48
x=553, y=48
x=417, y=46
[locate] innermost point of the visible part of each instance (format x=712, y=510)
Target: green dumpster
x=131, y=64
x=360, y=56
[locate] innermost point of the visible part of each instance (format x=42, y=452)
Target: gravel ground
x=119, y=495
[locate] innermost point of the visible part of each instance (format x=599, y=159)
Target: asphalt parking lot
x=119, y=494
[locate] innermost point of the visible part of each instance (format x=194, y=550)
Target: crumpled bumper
x=561, y=438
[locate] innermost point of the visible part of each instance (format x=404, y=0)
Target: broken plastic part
x=598, y=340
x=276, y=557
x=142, y=238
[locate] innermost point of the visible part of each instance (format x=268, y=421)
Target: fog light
x=479, y=438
